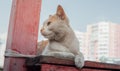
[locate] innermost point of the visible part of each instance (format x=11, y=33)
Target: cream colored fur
x=62, y=40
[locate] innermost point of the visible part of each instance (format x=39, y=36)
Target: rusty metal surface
x=47, y=62
x=50, y=60
x=88, y=69
x=47, y=67
x=22, y=32
x=101, y=65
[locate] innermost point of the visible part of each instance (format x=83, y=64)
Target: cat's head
x=55, y=22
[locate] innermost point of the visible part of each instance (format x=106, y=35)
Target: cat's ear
x=60, y=12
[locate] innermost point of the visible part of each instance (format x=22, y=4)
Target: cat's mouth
x=49, y=36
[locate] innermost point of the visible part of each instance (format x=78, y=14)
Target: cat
x=62, y=42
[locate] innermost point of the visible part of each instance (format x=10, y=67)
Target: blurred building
x=98, y=39
x=114, y=40
x=102, y=40
x=82, y=40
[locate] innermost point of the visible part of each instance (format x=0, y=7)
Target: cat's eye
x=48, y=23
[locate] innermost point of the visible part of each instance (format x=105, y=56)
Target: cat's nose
x=42, y=30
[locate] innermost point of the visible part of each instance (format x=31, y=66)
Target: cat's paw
x=79, y=61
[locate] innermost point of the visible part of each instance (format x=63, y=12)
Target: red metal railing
x=46, y=63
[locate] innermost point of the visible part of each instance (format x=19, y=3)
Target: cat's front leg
x=79, y=60
x=62, y=55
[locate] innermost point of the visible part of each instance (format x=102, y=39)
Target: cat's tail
x=79, y=60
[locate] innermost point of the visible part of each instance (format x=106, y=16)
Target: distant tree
x=117, y=62
x=103, y=59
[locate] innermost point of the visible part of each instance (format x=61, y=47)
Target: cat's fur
x=62, y=40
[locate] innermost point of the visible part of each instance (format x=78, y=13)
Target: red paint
x=49, y=63
x=48, y=67
x=23, y=32
x=51, y=67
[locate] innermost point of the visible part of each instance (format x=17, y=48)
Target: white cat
x=62, y=40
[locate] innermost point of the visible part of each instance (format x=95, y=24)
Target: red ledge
x=41, y=60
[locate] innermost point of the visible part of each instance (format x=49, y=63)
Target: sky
x=84, y=12
x=80, y=13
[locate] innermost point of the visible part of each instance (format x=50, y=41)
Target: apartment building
x=101, y=39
